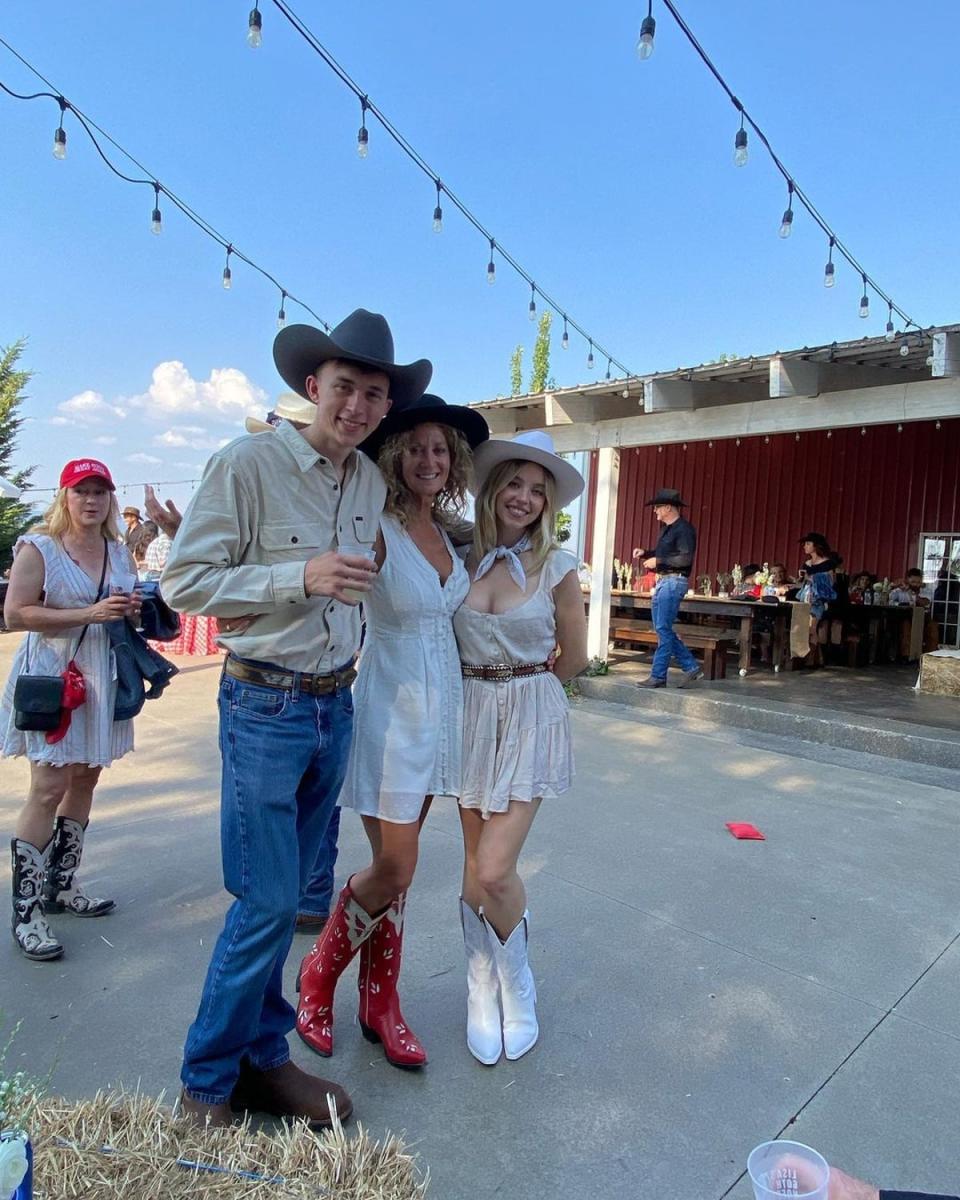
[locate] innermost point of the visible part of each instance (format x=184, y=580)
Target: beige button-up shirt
x=266, y=504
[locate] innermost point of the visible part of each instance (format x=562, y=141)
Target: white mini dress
x=94, y=738
x=408, y=697
x=517, y=744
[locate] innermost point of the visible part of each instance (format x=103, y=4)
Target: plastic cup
x=122, y=583
x=358, y=551
x=783, y=1168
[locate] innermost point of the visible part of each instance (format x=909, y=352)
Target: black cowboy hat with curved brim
x=427, y=410
x=667, y=496
x=363, y=337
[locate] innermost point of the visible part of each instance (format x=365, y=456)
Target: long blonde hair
x=540, y=531
x=56, y=520
x=450, y=504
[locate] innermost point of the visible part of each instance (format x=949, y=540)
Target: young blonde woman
x=407, y=731
x=524, y=605
x=60, y=582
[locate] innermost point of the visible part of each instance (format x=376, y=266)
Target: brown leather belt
x=501, y=672
x=274, y=677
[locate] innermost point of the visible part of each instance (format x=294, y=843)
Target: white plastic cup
x=357, y=551
x=122, y=583
x=783, y=1168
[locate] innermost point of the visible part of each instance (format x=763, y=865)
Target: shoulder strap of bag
x=103, y=575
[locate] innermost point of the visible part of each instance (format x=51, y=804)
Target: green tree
x=15, y=516
x=541, y=353
x=516, y=371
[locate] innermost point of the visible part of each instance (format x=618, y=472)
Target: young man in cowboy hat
x=261, y=537
x=672, y=559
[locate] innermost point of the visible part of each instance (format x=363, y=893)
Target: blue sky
x=610, y=179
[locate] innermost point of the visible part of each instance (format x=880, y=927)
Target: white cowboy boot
x=518, y=995
x=62, y=890
x=484, y=1033
x=30, y=931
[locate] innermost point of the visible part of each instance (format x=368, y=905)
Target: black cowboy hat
x=364, y=338
x=667, y=496
x=427, y=409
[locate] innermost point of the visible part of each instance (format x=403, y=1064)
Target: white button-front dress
x=408, y=697
x=518, y=745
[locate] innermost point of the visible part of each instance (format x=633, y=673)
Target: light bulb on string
x=282, y=314
x=565, y=340
x=491, y=265
x=438, y=211
x=786, y=221
x=890, y=334
x=608, y=369
x=864, y=299
x=829, y=271
x=60, y=134
x=362, y=136
x=590, y=356
x=255, y=28
x=740, y=145
x=227, y=273
x=532, y=307
x=648, y=27
x=156, y=217
x=904, y=348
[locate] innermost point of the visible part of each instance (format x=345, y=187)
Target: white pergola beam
x=793, y=377
x=667, y=395
x=946, y=355
x=604, y=528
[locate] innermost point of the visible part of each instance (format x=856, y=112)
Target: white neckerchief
x=511, y=554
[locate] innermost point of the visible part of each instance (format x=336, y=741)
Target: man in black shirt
x=672, y=559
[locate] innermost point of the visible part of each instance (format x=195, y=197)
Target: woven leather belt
x=501, y=672
x=283, y=681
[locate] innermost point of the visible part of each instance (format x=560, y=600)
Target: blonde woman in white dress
x=407, y=732
x=523, y=605
x=54, y=592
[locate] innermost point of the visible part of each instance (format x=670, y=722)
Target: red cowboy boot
x=380, y=1016
x=347, y=930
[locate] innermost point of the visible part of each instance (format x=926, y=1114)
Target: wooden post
x=604, y=527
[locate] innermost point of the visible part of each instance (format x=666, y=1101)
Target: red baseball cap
x=79, y=469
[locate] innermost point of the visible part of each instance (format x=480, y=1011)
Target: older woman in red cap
x=71, y=575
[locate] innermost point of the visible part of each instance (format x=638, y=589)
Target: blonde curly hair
x=56, y=520
x=450, y=504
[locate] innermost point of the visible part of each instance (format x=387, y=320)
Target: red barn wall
x=870, y=493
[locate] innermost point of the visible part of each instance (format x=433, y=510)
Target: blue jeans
x=668, y=593
x=284, y=758
x=317, y=899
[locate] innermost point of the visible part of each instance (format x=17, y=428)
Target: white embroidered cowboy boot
x=343, y=935
x=62, y=892
x=380, y=1017
x=518, y=994
x=30, y=931
x=484, y=1030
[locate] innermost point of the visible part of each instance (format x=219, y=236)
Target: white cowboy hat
x=8, y=489
x=287, y=408
x=536, y=447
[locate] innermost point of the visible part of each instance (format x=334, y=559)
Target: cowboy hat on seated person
x=287, y=408
x=427, y=410
x=666, y=496
x=363, y=338
x=535, y=447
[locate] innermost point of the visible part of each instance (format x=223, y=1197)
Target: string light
x=156, y=217
x=829, y=271
x=904, y=348
x=227, y=273
x=740, y=144
x=786, y=222
x=255, y=27
x=362, y=136
x=60, y=134
x=890, y=334
x=438, y=211
x=532, y=307
x=565, y=340
x=590, y=357
x=282, y=314
x=491, y=265
x=864, y=299
x=648, y=27
x=608, y=368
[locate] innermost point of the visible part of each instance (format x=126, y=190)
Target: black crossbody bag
x=38, y=699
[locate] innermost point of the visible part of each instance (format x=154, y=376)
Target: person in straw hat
x=266, y=533
x=524, y=601
x=407, y=737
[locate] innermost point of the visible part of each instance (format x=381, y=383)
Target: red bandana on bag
x=74, y=694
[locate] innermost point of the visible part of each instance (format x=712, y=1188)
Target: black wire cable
x=414, y=155
x=804, y=199
x=150, y=180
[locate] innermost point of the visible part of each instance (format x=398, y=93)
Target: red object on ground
x=74, y=694
x=745, y=831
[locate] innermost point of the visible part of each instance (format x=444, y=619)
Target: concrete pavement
x=696, y=993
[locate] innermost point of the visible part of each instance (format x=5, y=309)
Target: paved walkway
x=697, y=993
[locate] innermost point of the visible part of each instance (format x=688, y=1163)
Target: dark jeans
x=317, y=899
x=284, y=758
x=668, y=593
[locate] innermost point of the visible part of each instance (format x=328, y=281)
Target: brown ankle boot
x=286, y=1091
x=205, y=1116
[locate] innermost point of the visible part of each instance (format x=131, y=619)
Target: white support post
x=946, y=356
x=793, y=377
x=604, y=527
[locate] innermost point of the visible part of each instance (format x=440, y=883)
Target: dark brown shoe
x=287, y=1091
x=209, y=1116
x=310, y=922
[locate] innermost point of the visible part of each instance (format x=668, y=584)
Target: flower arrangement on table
x=725, y=582
x=705, y=585
x=762, y=577
x=624, y=573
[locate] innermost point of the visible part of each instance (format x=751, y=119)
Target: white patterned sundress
x=94, y=738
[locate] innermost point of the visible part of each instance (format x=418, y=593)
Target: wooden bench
x=714, y=645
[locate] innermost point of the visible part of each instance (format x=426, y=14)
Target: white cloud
x=192, y=437
x=60, y=421
x=105, y=440
x=87, y=408
x=147, y=460
x=227, y=396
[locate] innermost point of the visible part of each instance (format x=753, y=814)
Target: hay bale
x=118, y=1146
